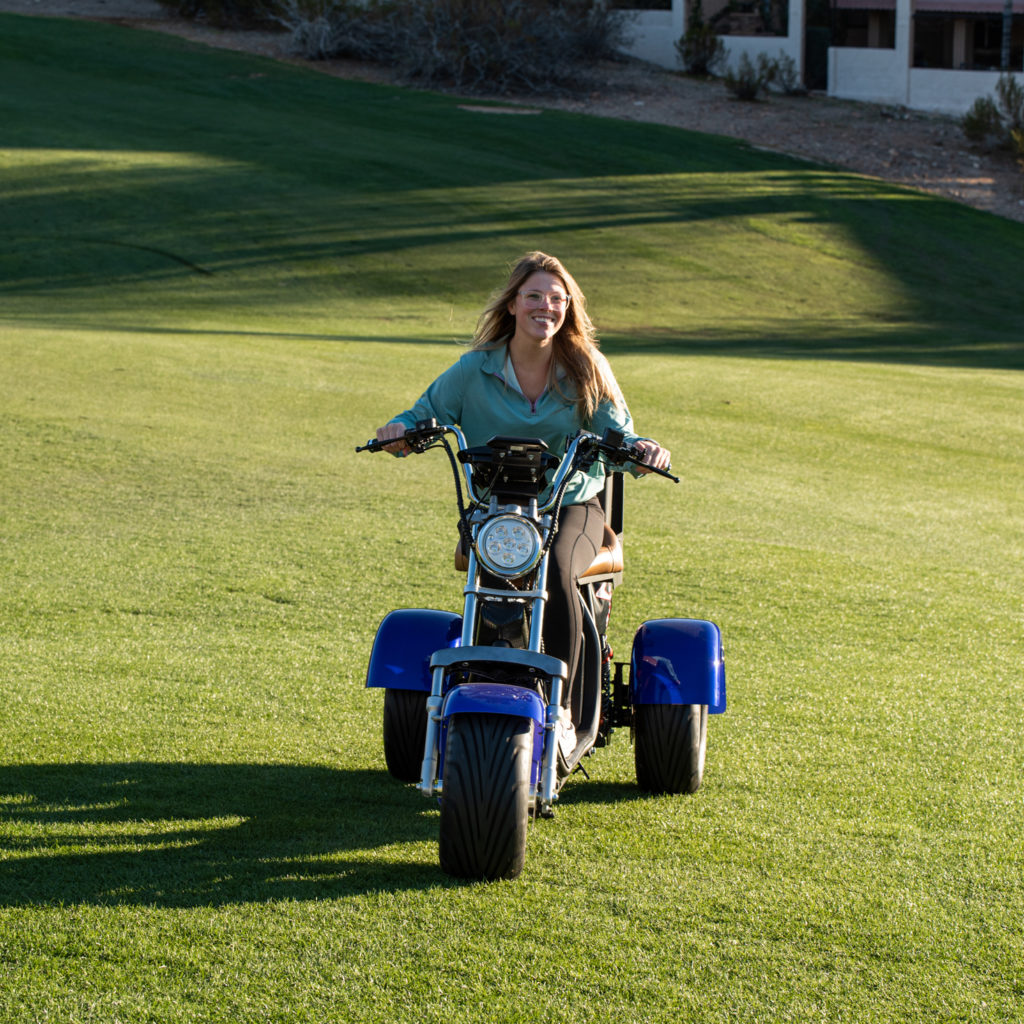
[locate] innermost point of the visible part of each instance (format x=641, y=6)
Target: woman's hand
x=655, y=457
x=395, y=433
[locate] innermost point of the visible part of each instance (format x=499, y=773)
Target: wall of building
x=870, y=74
x=950, y=92
x=654, y=35
x=792, y=46
x=887, y=76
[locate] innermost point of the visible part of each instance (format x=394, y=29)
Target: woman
x=535, y=371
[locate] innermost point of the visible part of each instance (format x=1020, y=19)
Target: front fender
x=493, y=699
x=678, y=661
x=496, y=699
x=405, y=642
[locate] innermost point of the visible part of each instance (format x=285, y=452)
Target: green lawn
x=219, y=274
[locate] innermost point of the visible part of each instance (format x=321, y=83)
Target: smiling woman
x=535, y=371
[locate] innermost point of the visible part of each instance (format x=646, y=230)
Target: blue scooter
x=475, y=713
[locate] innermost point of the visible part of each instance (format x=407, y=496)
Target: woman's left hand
x=655, y=457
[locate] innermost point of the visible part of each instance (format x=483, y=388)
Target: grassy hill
x=219, y=275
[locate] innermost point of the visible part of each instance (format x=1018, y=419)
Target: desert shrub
x=1017, y=145
x=522, y=45
x=1011, y=102
x=321, y=29
x=224, y=13
x=982, y=122
x=473, y=45
x=748, y=78
x=786, y=77
x=998, y=122
x=700, y=49
x=994, y=120
x=602, y=32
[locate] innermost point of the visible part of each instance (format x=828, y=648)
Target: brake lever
x=615, y=449
x=638, y=460
x=661, y=472
x=372, y=445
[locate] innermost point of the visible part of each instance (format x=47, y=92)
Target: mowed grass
x=219, y=275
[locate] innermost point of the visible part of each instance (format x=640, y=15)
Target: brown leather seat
x=608, y=560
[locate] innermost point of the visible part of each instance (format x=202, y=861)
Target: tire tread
x=485, y=801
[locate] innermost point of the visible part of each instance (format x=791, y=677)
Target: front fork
x=552, y=726
x=430, y=785
x=528, y=663
x=428, y=772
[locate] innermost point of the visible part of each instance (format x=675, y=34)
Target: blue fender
x=678, y=661
x=405, y=641
x=494, y=699
x=497, y=699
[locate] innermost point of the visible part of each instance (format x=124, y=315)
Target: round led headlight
x=508, y=546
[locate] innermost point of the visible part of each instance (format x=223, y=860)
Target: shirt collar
x=498, y=362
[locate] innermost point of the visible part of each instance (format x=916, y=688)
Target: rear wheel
x=670, y=746
x=486, y=796
x=405, y=732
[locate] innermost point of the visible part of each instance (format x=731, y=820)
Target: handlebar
x=418, y=438
x=616, y=451
x=583, y=450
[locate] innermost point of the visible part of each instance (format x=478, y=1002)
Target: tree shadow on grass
x=182, y=835
x=912, y=345
x=162, y=166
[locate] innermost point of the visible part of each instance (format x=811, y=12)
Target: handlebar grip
x=415, y=437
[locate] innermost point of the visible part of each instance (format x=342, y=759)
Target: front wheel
x=405, y=733
x=485, y=798
x=670, y=745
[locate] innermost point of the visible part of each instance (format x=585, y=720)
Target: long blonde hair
x=575, y=346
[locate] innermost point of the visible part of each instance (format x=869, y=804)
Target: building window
x=988, y=41
x=867, y=29
x=965, y=42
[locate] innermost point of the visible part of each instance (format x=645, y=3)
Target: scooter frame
x=673, y=662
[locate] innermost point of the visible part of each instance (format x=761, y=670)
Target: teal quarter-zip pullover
x=477, y=395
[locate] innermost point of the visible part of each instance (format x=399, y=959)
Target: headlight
x=508, y=546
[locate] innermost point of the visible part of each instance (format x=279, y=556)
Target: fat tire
x=405, y=733
x=486, y=796
x=670, y=743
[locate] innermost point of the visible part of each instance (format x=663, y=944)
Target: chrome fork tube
x=553, y=711
x=431, y=748
x=537, y=614
x=428, y=771
x=549, y=769
x=469, y=607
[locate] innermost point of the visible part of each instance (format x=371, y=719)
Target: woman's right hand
x=395, y=433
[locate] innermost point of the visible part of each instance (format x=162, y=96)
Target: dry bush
x=998, y=122
x=473, y=45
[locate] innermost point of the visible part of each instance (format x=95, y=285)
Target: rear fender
x=405, y=641
x=678, y=661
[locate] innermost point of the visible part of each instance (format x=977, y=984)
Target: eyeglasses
x=555, y=300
